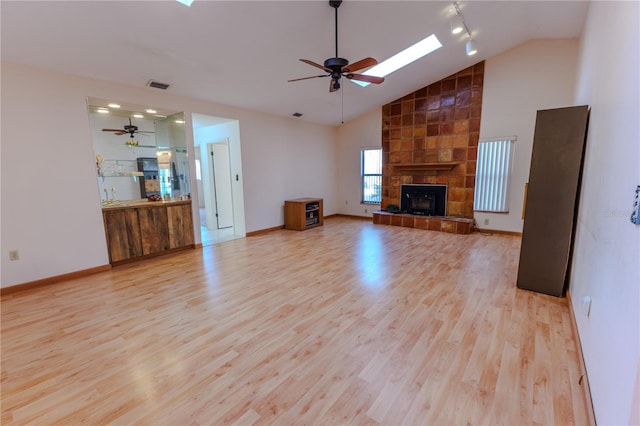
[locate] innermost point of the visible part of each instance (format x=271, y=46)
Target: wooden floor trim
x=583, y=369
x=53, y=280
x=497, y=231
x=264, y=231
x=350, y=216
x=278, y=228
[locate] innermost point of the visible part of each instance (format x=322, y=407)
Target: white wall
x=536, y=75
x=51, y=208
x=363, y=132
x=298, y=161
x=606, y=262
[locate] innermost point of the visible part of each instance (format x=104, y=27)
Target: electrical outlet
x=14, y=255
x=486, y=221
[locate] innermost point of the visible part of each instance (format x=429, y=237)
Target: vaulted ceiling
x=242, y=53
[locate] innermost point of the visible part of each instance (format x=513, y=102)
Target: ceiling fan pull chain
x=342, y=106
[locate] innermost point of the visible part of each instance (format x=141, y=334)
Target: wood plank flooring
x=349, y=323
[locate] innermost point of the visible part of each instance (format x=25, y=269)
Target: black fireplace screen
x=429, y=200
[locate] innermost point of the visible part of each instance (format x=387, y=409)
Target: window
x=493, y=170
x=371, y=170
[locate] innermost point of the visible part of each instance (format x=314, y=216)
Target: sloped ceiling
x=242, y=53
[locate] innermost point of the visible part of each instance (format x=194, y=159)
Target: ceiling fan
x=338, y=67
x=128, y=128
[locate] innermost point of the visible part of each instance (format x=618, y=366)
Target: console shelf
x=303, y=213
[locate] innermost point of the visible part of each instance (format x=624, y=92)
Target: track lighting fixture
x=459, y=25
x=472, y=47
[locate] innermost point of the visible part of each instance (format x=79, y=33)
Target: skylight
x=399, y=60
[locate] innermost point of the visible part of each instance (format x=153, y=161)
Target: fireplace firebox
x=427, y=200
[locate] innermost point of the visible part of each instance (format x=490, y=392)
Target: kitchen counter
x=142, y=203
x=138, y=229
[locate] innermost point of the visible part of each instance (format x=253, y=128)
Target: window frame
x=364, y=199
x=493, y=174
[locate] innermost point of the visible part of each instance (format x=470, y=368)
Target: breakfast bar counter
x=138, y=229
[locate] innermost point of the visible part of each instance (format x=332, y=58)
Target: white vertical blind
x=493, y=170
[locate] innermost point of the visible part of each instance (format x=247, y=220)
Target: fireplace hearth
x=426, y=200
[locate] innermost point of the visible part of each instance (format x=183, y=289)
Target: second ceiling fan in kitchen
x=128, y=128
x=338, y=67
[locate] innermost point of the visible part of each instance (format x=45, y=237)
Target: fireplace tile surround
x=438, y=124
x=452, y=225
x=431, y=136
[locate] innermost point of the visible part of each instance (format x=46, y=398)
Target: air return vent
x=158, y=85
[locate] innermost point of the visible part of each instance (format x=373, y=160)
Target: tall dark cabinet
x=551, y=204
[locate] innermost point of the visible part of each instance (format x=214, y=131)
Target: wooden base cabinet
x=303, y=213
x=123, y=234
x=180, y=226
x=147, y=229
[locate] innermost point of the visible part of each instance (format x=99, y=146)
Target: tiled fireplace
x=430, y=137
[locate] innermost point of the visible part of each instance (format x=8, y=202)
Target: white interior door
x=221, y=165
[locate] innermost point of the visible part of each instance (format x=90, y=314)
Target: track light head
x=472, y=47
x=457, y=24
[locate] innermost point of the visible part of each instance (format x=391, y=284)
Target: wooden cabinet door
x=180, y=226
x=154, y=229
x=123, y=234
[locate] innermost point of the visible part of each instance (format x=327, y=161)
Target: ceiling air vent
x=158, y=85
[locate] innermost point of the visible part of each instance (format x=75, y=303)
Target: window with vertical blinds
x=493, y=172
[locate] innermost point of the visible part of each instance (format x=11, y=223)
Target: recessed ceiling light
x=151, y=111
x=138, y=116
x=114, y=106
x=401, y=59
x=180, y=121
x=102, y=111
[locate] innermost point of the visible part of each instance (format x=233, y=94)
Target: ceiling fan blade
x=143, y=131
x=367, y=78
x=307, y=78
x=112, y=130
x=361, y=64
x=313, y=64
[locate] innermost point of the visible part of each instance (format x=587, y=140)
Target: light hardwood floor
x=348, y=323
